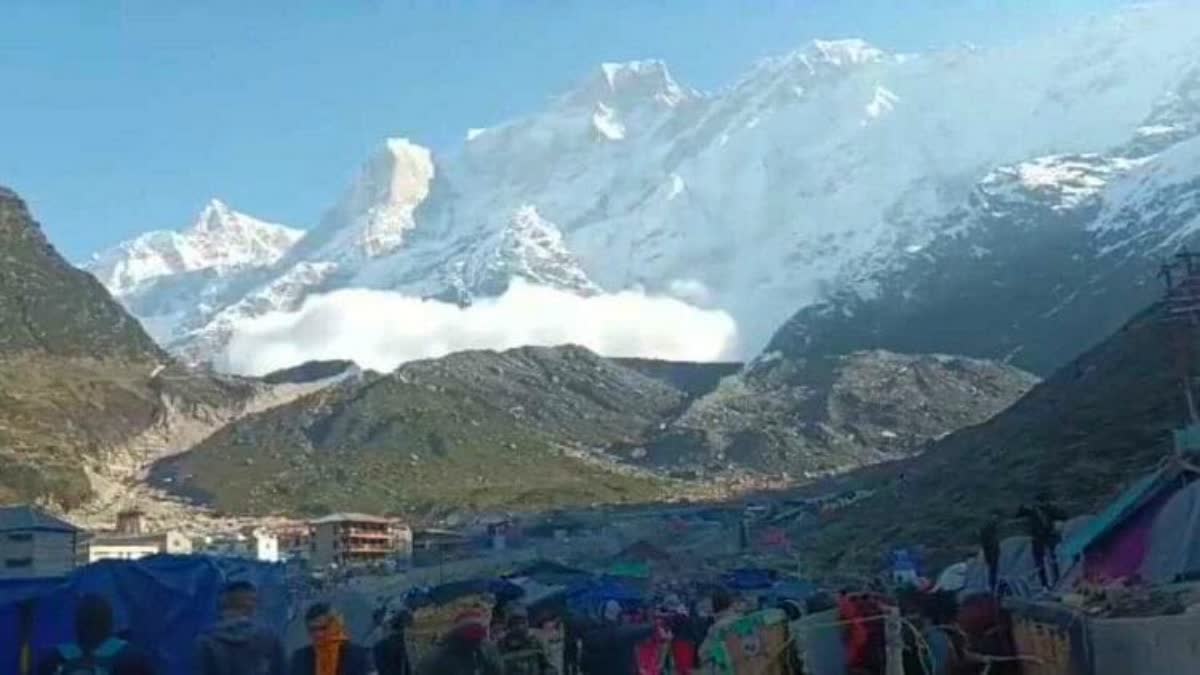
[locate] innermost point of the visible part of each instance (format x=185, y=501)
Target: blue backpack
x=98, y=662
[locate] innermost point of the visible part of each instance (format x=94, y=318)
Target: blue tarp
x=449, y=592
x=792, y=589
x=163, y=602
x=590, y=596
x=748, y=579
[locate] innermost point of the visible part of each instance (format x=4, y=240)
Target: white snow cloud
x=690, y=290
x=381, y=329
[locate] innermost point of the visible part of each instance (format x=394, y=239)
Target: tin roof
x=30, y=518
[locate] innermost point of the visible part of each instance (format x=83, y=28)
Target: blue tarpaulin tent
x=749, y=579
x=163, y=602
x=589, y=597
x=449, y=592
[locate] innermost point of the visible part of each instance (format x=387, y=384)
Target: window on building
x=18, y=563
x=21, y=536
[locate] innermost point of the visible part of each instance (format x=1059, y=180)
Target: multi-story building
x=347, y=539
x=35, y=544
x=295, y=541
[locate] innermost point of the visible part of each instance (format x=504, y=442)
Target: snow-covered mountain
x=175, y=281
x=1044, y=258
x=221, y=240
x=812, y=178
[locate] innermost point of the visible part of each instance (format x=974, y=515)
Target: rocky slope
x=51, y=308
x=816, y=174
x=1095, y=425
x=519, y=429
x=79, y=378
x=693, y=379
x=806, y=417
x=538, y=427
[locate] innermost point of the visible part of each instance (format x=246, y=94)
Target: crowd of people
x=668, y=637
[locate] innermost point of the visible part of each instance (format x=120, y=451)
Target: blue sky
x=120, y=117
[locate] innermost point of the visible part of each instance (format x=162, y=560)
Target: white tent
x=1016, y=568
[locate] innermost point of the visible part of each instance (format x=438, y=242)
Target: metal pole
x=895, y=642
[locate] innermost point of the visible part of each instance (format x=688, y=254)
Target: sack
x=98, y=662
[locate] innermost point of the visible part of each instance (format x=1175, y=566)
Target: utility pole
x=1181, y=304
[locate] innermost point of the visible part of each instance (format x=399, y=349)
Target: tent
x=750, y=579
x=163, y=602
x=590, y=596
x=1016, y=567
x=1152, y=530
x=455, y=590
x=549, y=572
x=953, y=578
x=644, y=551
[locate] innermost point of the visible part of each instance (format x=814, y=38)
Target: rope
x=924, y=649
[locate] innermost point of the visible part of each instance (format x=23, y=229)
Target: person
x=686, y=635
x=391, y=653
x=608, y=646
x=96, y=650
x=465, y=650
x=724, y=613
x=237, y=645
x=863, y=632
x=331, y=651
x=521, y=651
x=793, y=612
x=574, y=628
x=650, y=655
x=1042, y=520
x=989, y=544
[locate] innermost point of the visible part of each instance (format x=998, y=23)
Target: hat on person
x=612, y=610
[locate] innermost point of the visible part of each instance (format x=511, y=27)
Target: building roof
x=127, y=540
x=30, y=518
x=352, y=518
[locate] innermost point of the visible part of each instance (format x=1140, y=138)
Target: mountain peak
x=215, y=216
x=221, y=239
x=631, y=82
x=377, y=209
x=847, y=52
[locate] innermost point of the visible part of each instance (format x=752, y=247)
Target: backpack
x=98, y=662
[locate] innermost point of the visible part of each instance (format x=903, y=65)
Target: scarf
x=327, y=647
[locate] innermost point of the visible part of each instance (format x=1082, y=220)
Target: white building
x=35, y=544
x=120, y=546
x=253, y=545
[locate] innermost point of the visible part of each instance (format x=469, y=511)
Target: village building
x=35, y=544
x=350, y=539
x=295, y=541
x=131, y=541
x=253, y=544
